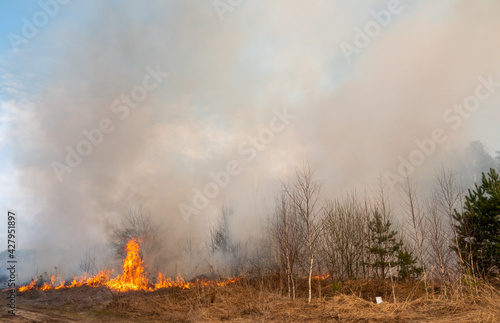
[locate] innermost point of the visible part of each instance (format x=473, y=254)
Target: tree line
x=444, y=235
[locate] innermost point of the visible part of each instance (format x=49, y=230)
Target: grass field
x=259, y=301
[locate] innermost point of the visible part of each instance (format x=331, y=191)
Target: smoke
x=225, y=77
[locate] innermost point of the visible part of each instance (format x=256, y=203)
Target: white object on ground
x=379, y=299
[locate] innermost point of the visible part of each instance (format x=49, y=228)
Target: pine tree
x=478, y=228
x=407, y=265
x=383, y=246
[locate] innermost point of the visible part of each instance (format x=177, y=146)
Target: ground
x=253, y=302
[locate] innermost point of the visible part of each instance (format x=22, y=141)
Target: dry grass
x=257, y=302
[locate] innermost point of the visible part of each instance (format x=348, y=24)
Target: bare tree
x=449, y=196
x=283, y=212
x=88, y=263
x=344, y=234
x=222, y=242
x=413, y=209
x=382, y=206
x=260, y=258
x=435, y=228
x=367, y=211
x=285, y=232
x=137, y=223
x=95, y=258
x=304, y=195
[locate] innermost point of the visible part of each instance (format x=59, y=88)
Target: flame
x=166, y=282
x=47, y=286
x=133, y=277
x=60, y=286
x=321, y=277
x=100, y=279
x=29, y=286
x=77, y=282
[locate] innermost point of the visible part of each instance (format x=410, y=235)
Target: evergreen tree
x=407, y=265
x=478, y=228
x=383, y=246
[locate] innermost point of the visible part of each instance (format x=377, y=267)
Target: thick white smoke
x=351, y=121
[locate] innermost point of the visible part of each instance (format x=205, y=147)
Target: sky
x=349, y=87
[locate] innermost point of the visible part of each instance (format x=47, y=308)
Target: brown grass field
x=259, y=301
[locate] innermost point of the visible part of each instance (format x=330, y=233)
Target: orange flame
x=60, y=286
x=321, y=277
x=133, y=277
x=47, y=286
x=29, y=286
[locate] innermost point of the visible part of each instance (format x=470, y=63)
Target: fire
x=47, y=285
x=29, y=286
x=321, y=277
x=133, y=277
x=166, y=282
x=100, y=279
x=60, y=286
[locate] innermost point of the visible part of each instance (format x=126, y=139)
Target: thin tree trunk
x=449, y=197
x=384, y=213
x=411, y=194
x=312, y=262
x=288, y=269
x=392, y=283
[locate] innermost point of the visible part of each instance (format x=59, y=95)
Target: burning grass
x=133, y=278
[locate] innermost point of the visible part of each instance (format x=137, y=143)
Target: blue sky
x=10, y=20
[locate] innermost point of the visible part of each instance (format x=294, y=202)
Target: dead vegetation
x=261, y=301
